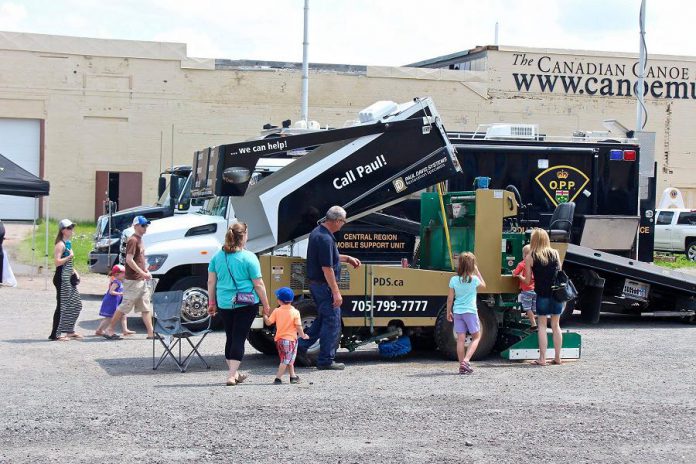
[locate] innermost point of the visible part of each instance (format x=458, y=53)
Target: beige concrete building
x=71, y=108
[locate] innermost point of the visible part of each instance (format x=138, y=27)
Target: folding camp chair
x=170, y=330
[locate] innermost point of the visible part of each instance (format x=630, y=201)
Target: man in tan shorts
x=136, y=294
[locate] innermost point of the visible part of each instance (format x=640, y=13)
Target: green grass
x=681, y=262
x=82, y=243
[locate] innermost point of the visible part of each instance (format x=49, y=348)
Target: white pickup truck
x=675, y=231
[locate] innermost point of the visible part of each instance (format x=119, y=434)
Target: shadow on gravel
x=624, y=321
x=134, y=323
x=90, y=297
x=28, y=341
x=258, y=363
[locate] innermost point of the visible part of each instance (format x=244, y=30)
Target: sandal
x=231, y=382
x=295, y=379
x=75, y=336
x=241, y=377
x=536, y=362
x=112, y=337
x=557, y=363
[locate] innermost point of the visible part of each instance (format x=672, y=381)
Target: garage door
x=19, y=142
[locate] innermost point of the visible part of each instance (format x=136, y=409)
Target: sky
x=361, y=32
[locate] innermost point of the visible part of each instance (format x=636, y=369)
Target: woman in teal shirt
x=235, y=270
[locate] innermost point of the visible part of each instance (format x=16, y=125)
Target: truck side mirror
x=174, y=189
x=161, y=186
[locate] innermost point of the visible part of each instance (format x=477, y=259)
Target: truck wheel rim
x=691, y=253
x=195, y=306
x=467, y=340
x=306, y=324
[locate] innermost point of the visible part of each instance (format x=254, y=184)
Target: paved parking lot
x=631, y=398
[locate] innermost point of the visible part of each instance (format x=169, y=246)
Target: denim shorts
x=547, y=306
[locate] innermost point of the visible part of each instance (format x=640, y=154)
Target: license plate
x=636, y=290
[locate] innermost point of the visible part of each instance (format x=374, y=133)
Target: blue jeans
x=326, y=327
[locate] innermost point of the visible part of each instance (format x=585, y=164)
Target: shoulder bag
x=563, y=289
x=240, y=298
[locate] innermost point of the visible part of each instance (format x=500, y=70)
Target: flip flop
x=536, y=362
x=242, y=377
x=63, y=339
x=112, y=337
x=557, y=363
x=76, y=336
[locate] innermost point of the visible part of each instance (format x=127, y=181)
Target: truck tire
x=446, y=340
x=194, y=309
x=691, y=249
x=262, y=340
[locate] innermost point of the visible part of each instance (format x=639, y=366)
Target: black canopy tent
x=18, y=182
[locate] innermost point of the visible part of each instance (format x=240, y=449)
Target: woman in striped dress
x=65, y=280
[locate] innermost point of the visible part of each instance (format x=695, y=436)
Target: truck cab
x=174, y=197
x=179, y=248
x=675, y=231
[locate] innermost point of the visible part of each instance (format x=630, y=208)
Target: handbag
x=240, y=298
x=74, y=280
x=563, y=289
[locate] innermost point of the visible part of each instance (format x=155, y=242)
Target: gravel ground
x=631, y=398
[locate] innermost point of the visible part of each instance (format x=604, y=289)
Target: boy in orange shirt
x=288, y=327
x=527, y=294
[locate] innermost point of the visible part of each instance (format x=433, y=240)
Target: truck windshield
x=178, y=182
x=216, y=206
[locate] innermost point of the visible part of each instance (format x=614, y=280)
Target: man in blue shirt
x=323, y=272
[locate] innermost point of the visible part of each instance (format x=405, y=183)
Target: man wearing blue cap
x=136, y=294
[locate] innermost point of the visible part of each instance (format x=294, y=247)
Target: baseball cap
x=117, y=269
x=285, y=294
x=140, y=220
x=65, y=223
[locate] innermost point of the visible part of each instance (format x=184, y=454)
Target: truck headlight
x=106, y=242
x=154, y=262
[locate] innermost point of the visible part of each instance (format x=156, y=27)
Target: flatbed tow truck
x=610, y=178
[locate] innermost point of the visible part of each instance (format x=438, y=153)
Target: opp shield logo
x=562, y=183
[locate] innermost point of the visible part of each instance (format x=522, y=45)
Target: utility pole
x=305, y=68
x=640, y=108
